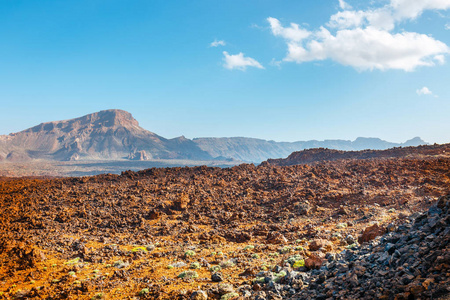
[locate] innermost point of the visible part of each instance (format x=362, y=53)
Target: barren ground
x=131, y=235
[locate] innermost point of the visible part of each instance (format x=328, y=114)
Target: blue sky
x=279, y=70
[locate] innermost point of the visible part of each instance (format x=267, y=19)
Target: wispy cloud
x=424, y=91
x=253, y=25
x=293, y=33
x=447, y=26
x=217, y=43
x=364, y=39
x=239, y=62
x=344, y=5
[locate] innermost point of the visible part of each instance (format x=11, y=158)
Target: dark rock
x=199, y=295
x=217, y=277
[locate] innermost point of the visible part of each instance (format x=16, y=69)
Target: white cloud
x=411, y=9
x=344, y=5
x=386, y=16
x=217, y=43
x=370, y=48
x=347, y=19
x=424, y=91
x=440, y=59
x=365, y=39
x=240, y=62
x=447, y=26
x=275, y=63
x=292, y=33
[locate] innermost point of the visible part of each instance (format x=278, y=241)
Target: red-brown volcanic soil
x=127, y=236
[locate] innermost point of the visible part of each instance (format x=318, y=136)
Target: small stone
x=216, y=277
x=22, y=294
x=304, y=209
x=370, y=233
x=349, y=239
x=313, y=262
x=225, y=288
x=320, y=243
x=276, y=238
x=342, y=211
x=199, y=295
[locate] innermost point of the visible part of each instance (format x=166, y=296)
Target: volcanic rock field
x=345, y=229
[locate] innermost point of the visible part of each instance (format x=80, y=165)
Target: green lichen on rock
x=259, y=280
x=285, y=249
x=71, y=262
x=139, y=249
x=278, y=276
x=98, y=296
x=299, y=263
x=341, y=225
x=120, y=264
x=215, y=269
x=227, y=264
x=294, y=258
x=188, y=275
x=144, y=291
x=195, y=265
x=229, y=296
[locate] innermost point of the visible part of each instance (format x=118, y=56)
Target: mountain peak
x=102, y=119
x=416, y=141
x=111, y=117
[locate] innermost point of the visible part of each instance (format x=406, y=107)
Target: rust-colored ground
x=118, y=237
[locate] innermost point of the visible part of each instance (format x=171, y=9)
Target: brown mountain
x=107, y=135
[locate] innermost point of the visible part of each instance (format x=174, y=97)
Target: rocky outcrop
x=138, y=155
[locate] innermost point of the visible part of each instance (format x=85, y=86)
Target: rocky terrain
x=115, y=135
x=346, y=229
x=320, y=154
x=411, y=261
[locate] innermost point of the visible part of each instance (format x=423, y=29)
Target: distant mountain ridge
x=309, y=156
x=256, y=150
x=115, y=135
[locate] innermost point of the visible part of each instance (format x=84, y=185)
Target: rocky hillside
x=321, y=154
x=108, y=134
